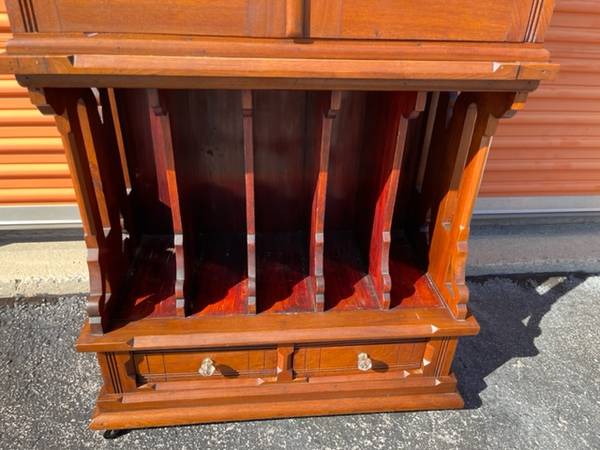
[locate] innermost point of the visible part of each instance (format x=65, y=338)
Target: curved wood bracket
x=466, y=143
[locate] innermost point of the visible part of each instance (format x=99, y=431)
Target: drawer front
x=188, y=365
x=339, y=360
x=445, y=20
x=253, y=18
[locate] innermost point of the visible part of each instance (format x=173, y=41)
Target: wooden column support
x=167, y=183
x=328, y=106
x=248, y=112
x=467, y=142
x=87, y=144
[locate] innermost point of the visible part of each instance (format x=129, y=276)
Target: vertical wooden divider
x=248, y=112
x=327, y=109
x=94, y=167
x=404, y=106
x=167, y=183
x=112, y=121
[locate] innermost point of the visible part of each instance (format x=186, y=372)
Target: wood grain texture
x=256, y=18
x=327, y=107
x=467, y=142
x=250, y=203
x=469, y=20
x=324, y=224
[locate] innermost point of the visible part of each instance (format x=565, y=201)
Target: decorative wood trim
x=285, y=372
x=294, y=18
x=28, y=15
x=475, y=119
x=118, y=372
x=67, y=109
x=539, y=20
x=248, y=112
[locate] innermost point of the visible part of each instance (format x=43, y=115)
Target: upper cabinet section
x=506, y=21
x=429, y=20
x=241, y=18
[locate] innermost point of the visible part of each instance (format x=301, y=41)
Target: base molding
x=105, y=417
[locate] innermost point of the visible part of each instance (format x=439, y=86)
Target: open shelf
x=282, y=281
x=411, y=285
x=348, y=285
x=262, y=202
x=219, y=277
x=284, y=176
x=209, y=146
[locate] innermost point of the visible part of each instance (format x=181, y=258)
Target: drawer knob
x=364, y=362
x=207, y=368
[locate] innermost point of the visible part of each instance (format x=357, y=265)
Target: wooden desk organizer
x=276, y=194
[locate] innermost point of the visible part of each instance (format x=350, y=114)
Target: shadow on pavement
x=509, y=327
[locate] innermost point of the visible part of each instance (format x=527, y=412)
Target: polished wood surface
x=276, y=195
x=464, y=20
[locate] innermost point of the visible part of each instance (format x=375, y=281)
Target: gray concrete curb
x=53, y=262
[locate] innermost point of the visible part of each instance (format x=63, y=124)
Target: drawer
x=205, y=365
x=344, y=359
x=252, y=18
x=445, y=20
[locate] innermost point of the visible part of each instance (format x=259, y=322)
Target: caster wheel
x=114, y=434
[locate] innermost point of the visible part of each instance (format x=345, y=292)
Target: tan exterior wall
x=33, y=168
x=553, y=147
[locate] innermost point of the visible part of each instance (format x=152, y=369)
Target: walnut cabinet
x=276, y=194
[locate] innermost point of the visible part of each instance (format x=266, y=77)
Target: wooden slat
x=248, y=123
x=89, y=143
x=327, y=107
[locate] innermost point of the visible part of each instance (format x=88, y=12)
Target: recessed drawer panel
x=445, y=20
x=193, y=365
x=253, y=18
x=363, y=358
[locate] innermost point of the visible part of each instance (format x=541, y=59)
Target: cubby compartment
x=189, y=207
x=208, y=142
x=284, y=177
x=264, y=201
x=368, y=263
